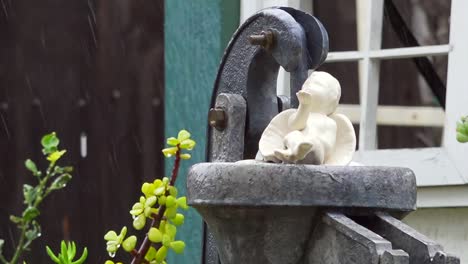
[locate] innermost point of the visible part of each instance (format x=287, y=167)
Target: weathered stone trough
x=271, y=213
x=260, y=213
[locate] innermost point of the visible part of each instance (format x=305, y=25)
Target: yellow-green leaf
x=139, y=222
x=172, y=141
x=182, y=202
x=178, y=246
x=178, y=219
x=129, y=243
x=56, y=155
x=161, y=254
x=188, y=144
x=148, y=189
x=183, y=135
x=154, y=235
x=110, y=236
x=185, y=156
x=170, y=201
x=169, y=152
x=151, y=254
x=462, y=138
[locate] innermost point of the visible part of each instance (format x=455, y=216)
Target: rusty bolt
x=217, y=118
x=265, y=39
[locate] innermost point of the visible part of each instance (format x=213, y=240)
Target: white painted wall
x=447, y=226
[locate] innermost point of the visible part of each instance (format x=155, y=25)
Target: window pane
x=392, y=137
x=339, y=18
x=428, y=21
x=402, y=84
x=347, y=74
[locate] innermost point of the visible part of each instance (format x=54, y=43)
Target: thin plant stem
x=3, y=259
x=21, y=245
x=175, y=168
x=139, y=257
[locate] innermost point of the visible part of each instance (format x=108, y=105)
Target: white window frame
x=443, y=166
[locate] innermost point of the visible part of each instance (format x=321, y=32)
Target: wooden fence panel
x=89, y=70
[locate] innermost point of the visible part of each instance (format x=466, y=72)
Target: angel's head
x=321, y=92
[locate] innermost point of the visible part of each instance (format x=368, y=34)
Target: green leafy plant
x=67, y=254
x=54, y=178
x=462, y=130
x=160, y=205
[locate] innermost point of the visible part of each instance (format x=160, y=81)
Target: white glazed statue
x=313, y=133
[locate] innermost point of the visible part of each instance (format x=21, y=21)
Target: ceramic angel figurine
x=313, y=133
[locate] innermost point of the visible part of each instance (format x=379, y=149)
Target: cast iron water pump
x=259, y=212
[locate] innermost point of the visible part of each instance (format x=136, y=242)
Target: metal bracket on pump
x=244, y=96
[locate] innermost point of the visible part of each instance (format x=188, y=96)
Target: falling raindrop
x=92, y=30
x=5, y=9
x=5, y=126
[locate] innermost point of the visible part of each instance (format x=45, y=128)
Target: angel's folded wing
x=345, y=145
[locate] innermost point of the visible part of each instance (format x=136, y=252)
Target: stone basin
x=266, y=213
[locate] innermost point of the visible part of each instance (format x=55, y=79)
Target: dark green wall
x=196, y=34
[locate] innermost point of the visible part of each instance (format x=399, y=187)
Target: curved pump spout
x=271, y=38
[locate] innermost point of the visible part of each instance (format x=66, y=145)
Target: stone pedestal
x=275, y=213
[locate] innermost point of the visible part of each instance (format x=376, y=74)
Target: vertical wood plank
x=362, y=21
x=248, y=8
x=369, y=85
x=126, y=110
x=196, y=35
